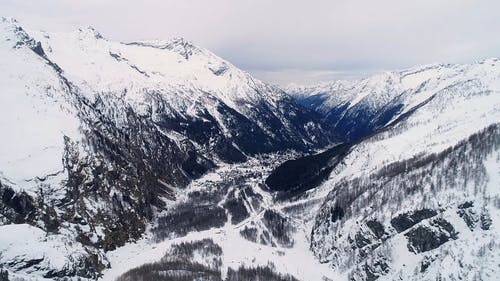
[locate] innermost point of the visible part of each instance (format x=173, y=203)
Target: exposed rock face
x=4, y=275
x=404, y=221
x=16, y=207
x=426, y=238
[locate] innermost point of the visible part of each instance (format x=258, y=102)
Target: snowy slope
x=417, y=197
x=358, y=108
x=35, y=114
x=31, y=252
x=457, y=109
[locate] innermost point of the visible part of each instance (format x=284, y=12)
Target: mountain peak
x=177, y=44
x=8, y=20
x=91, y=32
x=14, y=35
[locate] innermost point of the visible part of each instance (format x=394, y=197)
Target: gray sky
x=283, y=41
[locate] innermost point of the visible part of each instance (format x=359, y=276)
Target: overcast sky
x=283, y=41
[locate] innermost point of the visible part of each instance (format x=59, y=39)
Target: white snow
x=414, y=85
x=34, y=117
x=98, y=65
x=22, y=243
x=297, y=261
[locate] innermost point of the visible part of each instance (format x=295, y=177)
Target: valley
x=159, y=160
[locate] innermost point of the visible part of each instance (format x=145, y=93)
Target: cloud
x=283, y=37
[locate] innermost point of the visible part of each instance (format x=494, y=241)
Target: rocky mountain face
x=98, y=134
x=157, y=160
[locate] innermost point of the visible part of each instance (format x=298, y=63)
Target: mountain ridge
x=376, y=101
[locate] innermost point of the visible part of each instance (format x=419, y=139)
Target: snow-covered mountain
x=158, y=160
x=419, y=199
x=358, y=108
x=190, y=96
x=188, y=92
x=97, y=135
